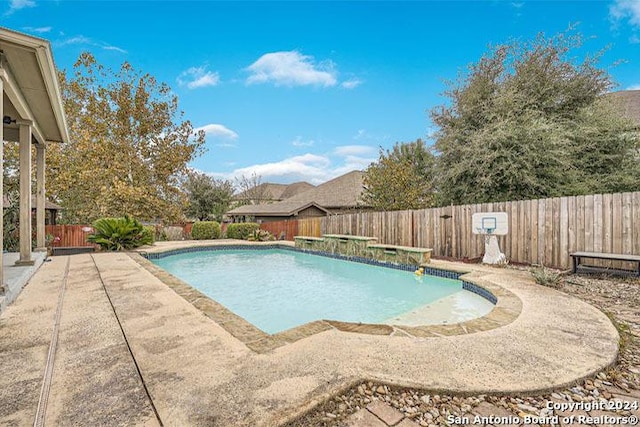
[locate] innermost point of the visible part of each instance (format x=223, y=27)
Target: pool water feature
x=279, y=289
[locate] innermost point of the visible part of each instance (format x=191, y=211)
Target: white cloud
x=217, y=130
x=20, y=4
x=354, y=150
x=626, y=10
x=226, y=145
x=634, y=39
x=351, y=84
x=315, y=168
x=82, y=40
x=114, y=48
x=308, y=167
x=354, y=157
x=351, y=163
x=76, y=40
x=299, y=142
x=197, y=77
x=634, y=87
x=39, y=30
x=291, y=69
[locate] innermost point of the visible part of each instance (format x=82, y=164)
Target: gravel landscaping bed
x=614, y=392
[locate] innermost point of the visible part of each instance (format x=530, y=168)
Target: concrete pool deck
x=191, y=371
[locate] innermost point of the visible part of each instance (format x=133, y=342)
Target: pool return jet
x=491, y=224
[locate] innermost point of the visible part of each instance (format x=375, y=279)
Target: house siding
x=311, y=212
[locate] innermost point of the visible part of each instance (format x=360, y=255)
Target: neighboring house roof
x=47, y=204
x=630, y=103
x=342, y=192
x=295, y=189
x=284, y=208
x=276, y=191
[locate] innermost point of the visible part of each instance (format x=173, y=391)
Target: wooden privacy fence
x=288, y=227
x=542, y=231
x=70, y=235
x=310, y=227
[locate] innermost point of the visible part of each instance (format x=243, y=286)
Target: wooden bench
x=577, y=257
x=423, y=254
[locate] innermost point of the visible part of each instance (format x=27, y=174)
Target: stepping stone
x=364, y=418
x=385, y=412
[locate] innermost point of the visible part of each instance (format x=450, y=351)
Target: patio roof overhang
x=32, y=114
x=31, y=90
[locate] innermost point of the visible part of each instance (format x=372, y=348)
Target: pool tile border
x=507, y=306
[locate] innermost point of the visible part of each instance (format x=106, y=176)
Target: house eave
x=41, y=49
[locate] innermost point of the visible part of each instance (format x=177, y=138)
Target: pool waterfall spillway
x=364, y=247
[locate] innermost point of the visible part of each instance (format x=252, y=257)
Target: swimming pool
x=279, y=289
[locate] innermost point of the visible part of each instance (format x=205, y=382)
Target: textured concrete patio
x=132, y=351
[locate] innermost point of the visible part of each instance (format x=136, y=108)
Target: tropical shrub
x=204, y=230
x=241, y=230
x=116, y=234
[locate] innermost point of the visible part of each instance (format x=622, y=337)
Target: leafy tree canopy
x=529, y=120
x=209, y=198
x=401, y=178
x=128, y=146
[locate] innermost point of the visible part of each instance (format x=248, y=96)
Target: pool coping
x=507, y=306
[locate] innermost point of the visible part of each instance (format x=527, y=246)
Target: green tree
x=209, y=198
x=401, y=178
x=530, y=121
x=128, y=146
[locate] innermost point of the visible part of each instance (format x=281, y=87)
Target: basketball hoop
x=490, y=225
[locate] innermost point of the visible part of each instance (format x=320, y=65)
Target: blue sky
x=304, y=90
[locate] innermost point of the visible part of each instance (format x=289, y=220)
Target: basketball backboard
x=490, y=223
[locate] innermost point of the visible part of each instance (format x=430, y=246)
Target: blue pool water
x=279, y=289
